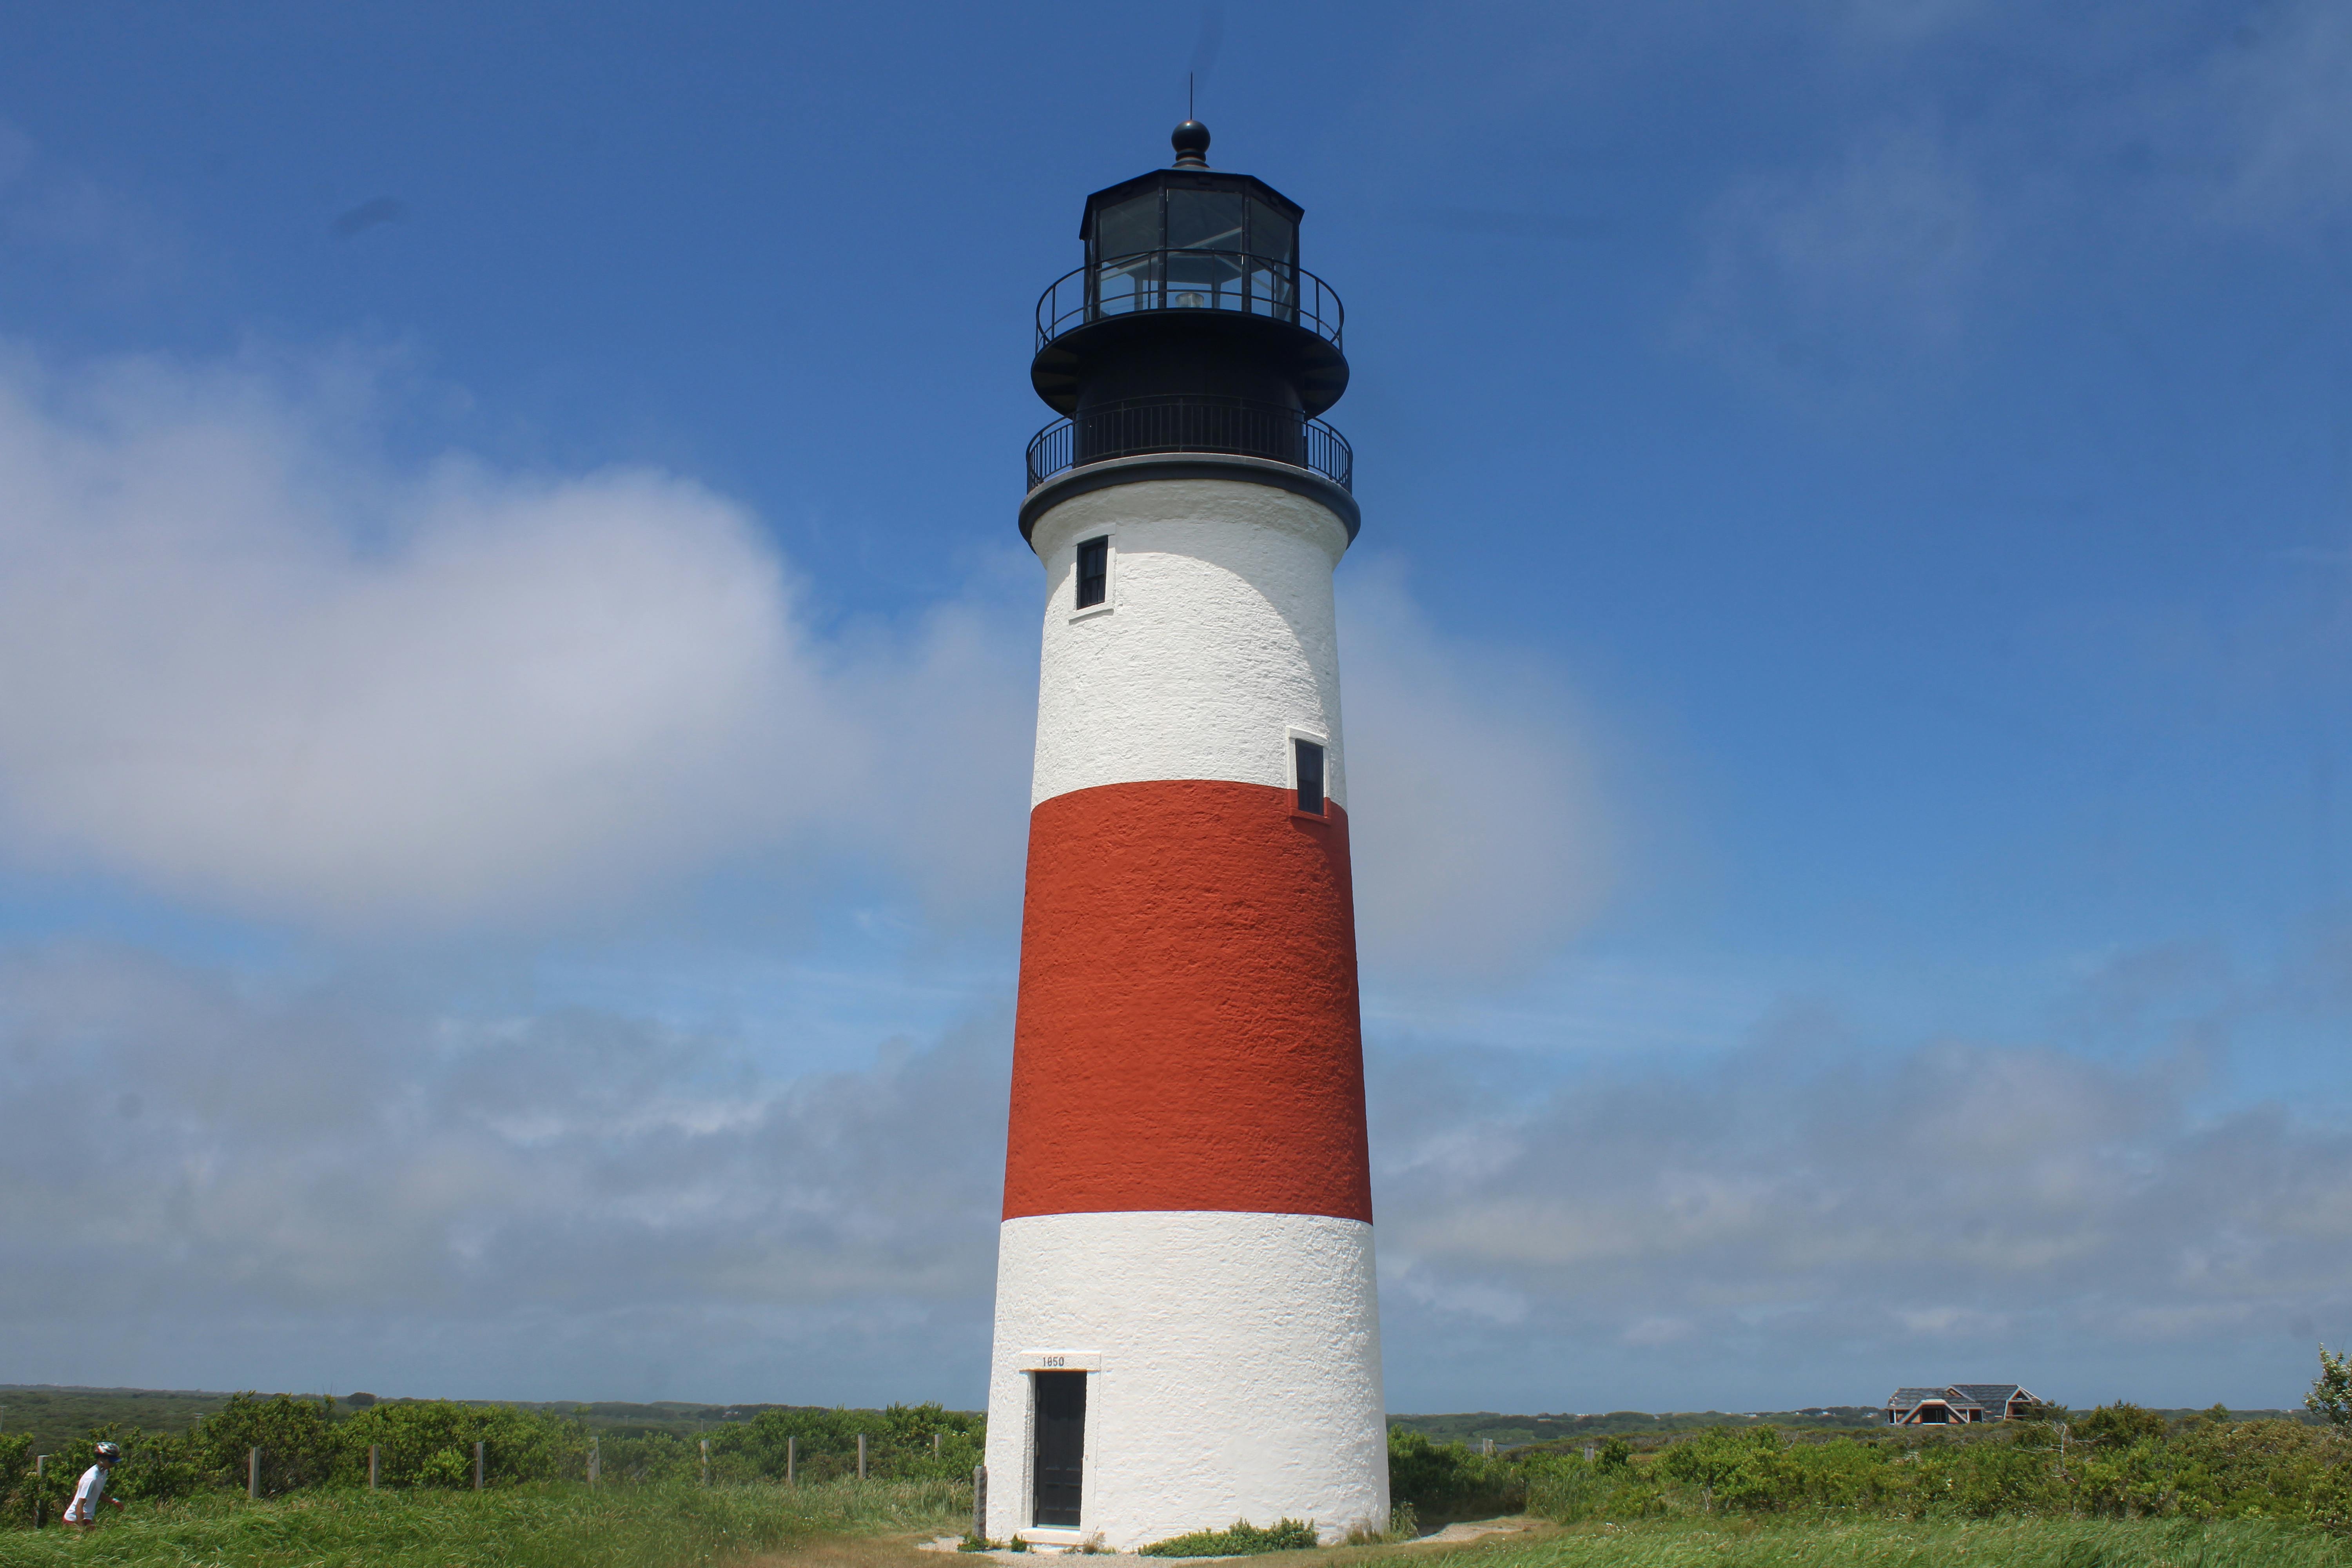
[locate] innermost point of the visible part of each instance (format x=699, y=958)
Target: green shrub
x=1243, y=1539
x=156, y=1466
x=1446, y=1481
x=1571, y=1492
x=1746, y=1470
x=899, y=1444
x=16, y=1474
x=656, y=1458
x=430, y=1443
x=297, y=1446
x=2118, y=1426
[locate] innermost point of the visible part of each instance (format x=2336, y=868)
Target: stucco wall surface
x=1219, y=634
x=1188, y=1034
x=1233, y=1367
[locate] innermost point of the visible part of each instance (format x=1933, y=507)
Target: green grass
x=1992, y=1543
x=559, y=1525
x=569, y=1526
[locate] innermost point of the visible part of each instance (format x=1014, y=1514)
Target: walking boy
x=82, y=1513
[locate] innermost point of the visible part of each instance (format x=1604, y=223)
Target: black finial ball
x=1192, y=142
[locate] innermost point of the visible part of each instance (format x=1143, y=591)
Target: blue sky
x=521, y=675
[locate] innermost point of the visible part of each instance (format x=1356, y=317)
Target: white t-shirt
x=84, y=1507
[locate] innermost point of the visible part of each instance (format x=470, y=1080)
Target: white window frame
x=1109, y=536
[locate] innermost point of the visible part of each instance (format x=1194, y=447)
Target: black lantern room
x=1192, y=327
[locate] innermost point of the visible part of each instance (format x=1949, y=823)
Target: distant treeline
x=1517, y=1431
x=50, y=1415
x=2118, y=1461
x=1513, y=1431
x=430, y=1443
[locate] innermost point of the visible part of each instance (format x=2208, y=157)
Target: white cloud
x=257, y=669
x=1831, y=1209
x=1829, y=275
x=2151, y=131
x=181, y=1162
x=1475, y=795
x=109, y=251
x=1660, y=1331
x=2280, y=83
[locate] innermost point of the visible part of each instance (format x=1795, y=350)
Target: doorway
x=1061, y=1446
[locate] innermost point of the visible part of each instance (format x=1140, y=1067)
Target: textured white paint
x=1237, y=1375
x=1220, y=636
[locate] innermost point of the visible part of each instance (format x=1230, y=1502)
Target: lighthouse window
x=1205, y=220
x=1094, y=571
x=1309, y=759
x=1129, y=228
x=1272, y=236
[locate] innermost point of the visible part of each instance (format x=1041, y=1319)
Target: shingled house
x=1957, y=1402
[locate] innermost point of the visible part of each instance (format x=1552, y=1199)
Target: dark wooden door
x=1061, y=1446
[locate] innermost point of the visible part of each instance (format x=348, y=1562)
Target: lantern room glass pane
x=1205, y=279
x=1129, y=228
x=1205, y=220
x=1127, y=253
x=1204, y=243
x=1272, y=236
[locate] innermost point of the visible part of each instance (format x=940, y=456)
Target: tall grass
x=552, y=1525
x=1873, y=1543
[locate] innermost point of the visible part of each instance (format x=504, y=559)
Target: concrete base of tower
x=1230, y=1368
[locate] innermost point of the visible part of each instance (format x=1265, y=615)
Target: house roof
x=1905, y=1398
x=1989, y=1393
x=1981, y=1397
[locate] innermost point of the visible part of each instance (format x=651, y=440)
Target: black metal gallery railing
x=1136, y=427
x=1191, y=280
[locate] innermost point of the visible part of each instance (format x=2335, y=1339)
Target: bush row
x=430, y=1443
x=2120, y=1462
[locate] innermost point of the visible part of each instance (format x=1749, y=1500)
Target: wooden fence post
x=861, y=1456
x=595, y=1460
x=253, y=1475
x=706, y=1461
x=792, y=1461
x=40, y=1500
x=980, y=1502
x=935, y=1445
x=479, y=1449
x=375, y=1464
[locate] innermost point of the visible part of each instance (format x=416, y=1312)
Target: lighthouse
x=1187, y=1326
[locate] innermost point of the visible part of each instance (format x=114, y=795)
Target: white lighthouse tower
x=1187, y=1329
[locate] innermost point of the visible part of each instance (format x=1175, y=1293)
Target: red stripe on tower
x=1189, y=1034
